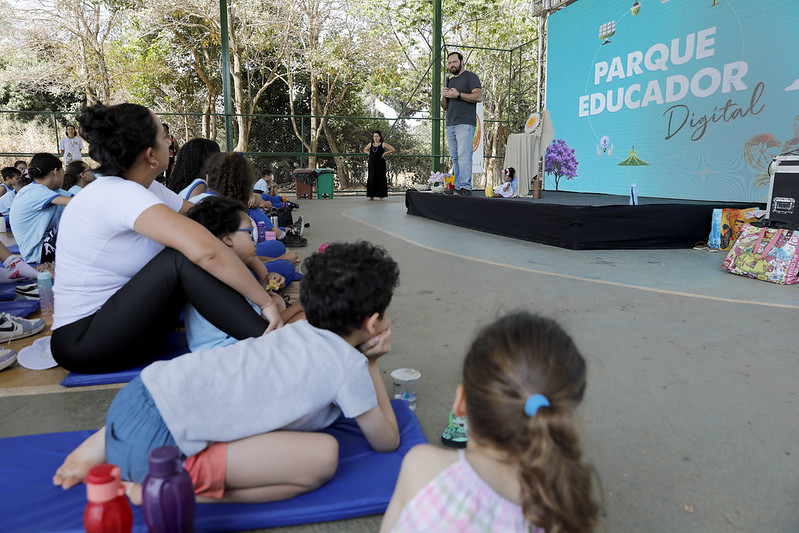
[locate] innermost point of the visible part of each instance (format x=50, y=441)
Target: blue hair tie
x=533, y=403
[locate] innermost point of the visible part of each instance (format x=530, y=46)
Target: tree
x=508, y=89
x=560, y=161
x=64, y=40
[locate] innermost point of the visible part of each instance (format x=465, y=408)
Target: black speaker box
x=783, y=193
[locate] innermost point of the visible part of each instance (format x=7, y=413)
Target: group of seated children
x=523, y=377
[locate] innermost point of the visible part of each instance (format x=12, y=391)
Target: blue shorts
x=134, y=428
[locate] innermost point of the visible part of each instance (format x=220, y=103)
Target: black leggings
x=128, y=330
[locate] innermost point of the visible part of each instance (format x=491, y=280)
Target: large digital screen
x=686, y=99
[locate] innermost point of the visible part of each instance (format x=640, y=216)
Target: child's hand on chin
x=378, y=345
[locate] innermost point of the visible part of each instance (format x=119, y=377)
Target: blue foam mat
x=174, y=345
x=21, y=308
x=8, y=290
x=362, y=486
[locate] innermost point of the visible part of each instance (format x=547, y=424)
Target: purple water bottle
x=261, y=231
x=167, y=493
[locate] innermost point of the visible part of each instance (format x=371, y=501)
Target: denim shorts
x=134, y=428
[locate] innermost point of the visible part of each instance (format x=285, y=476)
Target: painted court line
x=569, y=276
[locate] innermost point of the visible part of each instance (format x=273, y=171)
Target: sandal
x=700, y=246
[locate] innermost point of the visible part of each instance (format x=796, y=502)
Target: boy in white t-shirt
x=245, y=416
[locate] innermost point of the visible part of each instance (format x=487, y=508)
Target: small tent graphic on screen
x=606, y=31
x=633, y=160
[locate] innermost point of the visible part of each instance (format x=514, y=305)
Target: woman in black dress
x=376, y=183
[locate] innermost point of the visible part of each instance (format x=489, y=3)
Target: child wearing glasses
x=246, y=417
x=228, y=221
x=77, y=175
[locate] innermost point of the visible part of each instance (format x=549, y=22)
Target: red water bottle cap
x=103, y=483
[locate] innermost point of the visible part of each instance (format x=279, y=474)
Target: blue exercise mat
x=21, y=308
x=174, y=345
x=362, y=486
x=8, y=291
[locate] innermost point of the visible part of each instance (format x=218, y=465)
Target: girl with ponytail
x=521, y=470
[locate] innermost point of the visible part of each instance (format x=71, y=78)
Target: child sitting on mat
x=508, y=187
x=521, y=470
x=245, y=415
x=227, y=220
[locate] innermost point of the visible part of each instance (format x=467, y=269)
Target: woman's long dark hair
x=518, y=356
x=118, y=134
x=189, y=162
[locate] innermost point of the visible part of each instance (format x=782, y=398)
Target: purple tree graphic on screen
x=560, y=161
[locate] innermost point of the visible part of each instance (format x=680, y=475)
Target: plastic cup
x=406, y=385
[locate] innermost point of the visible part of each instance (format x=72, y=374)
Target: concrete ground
x=690, y=414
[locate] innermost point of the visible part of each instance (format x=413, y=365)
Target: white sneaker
x=27, y=292
x=14, y=327
x=7, y=357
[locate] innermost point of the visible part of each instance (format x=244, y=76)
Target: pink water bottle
x=108, y=510
x=167, y=493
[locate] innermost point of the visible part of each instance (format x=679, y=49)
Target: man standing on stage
x=459, y=100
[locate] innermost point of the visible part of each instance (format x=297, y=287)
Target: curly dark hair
x=189, y=162
x=219, y=215
x=118, y=134
x=346, y=284
x=230, y=174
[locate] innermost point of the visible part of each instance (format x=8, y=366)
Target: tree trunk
x=342, y=167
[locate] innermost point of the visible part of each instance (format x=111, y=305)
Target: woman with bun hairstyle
x=126, y=268
x=522, y=470
x=37, y=208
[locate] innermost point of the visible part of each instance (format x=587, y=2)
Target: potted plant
x=436, y=182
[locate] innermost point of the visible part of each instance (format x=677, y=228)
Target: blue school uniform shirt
x=75, y=189
x=5, y=201
x=200, y=333
x=32, y=215
x=188, y=189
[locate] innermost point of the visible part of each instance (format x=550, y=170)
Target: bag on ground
x=766, y=254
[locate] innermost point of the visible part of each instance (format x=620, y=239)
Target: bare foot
x=134, y=491
x=78, y=463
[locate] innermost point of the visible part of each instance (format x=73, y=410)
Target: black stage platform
x=578, y=221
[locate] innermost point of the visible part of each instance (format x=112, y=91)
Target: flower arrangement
x=560, y=161
x=436, y=179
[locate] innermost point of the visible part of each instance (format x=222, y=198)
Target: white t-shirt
x=98, y=250
x=31, y=216
x=295, y=378
x=71, y=149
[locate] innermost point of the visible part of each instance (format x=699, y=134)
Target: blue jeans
x=460, y=139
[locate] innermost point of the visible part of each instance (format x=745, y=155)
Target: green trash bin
x=324, y=182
